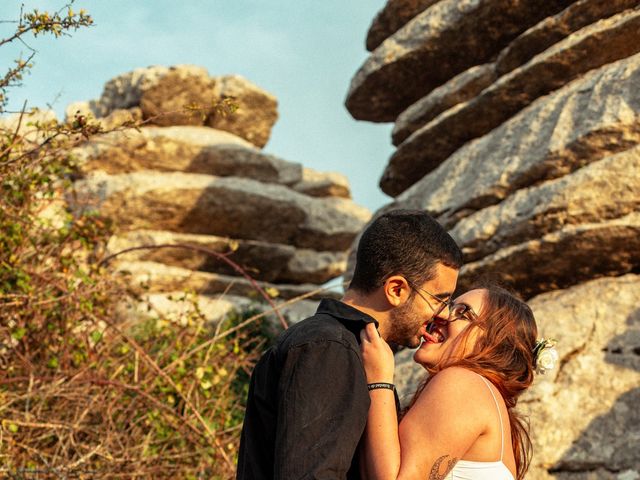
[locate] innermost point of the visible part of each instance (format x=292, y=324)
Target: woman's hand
x=377, y=356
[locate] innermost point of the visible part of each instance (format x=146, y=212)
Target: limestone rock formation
x=187, y=95
x=395, y=76
x=158, y=278
x=584, y=416
x=567, y=256
x=582, y=122
x=164, y=103
x=553, y=29
x=591, y=47
x=392, y=17
x=231, y=206
x=527, y=149
x=197, y=206
x=459, y=89
x=250, y=113
x=177, y=307
x=201, y=150
x=270, y=262
x=581, y=197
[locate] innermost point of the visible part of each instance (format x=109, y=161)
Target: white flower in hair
x=545, y=355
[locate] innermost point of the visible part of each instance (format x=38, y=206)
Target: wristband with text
x=375, y=386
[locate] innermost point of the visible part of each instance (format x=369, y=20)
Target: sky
x=305, y=52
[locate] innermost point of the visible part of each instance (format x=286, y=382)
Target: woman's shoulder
x=458, y=383
x=457, y=375
x=458, y=395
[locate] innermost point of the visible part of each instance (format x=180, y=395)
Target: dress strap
x=499, y=415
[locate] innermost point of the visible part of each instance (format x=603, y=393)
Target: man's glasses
x=437, y=310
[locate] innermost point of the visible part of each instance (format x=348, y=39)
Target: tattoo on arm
x=435, y=470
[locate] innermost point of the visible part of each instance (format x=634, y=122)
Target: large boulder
x=151, y=277
x=126, y=90
x=425, y=53
x=562, y=258
x=585, y=121
x=459, y=89
x=270, y=262
x=394, y=15
x=178, y=99
x=592, y=47
x=228, y=206
x=186, y=149
x=199, y=149
x=553, y=29
x=179, y=307
x=186, y=95
x=250, y=112
x=584, y=415
x=584, y=196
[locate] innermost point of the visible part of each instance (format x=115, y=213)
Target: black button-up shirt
x=308, y=401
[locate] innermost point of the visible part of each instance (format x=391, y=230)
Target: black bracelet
x=375, y=386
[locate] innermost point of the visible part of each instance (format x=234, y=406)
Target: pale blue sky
x=303, y=51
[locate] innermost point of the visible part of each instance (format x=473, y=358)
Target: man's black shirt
x=308, y=401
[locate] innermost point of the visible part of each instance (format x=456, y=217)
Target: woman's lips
x=433, y=334
x=428, y=338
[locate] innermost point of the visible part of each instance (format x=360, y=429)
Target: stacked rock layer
x=517, y=126
x=194, y=180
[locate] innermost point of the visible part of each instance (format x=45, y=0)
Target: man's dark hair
x=402, y=242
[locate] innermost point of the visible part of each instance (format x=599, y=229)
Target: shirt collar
x=341, y=310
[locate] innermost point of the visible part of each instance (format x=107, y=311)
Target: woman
x=461, y=423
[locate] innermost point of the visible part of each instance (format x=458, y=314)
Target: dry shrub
x=83, y=395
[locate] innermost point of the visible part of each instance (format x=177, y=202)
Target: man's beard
x=405, y=323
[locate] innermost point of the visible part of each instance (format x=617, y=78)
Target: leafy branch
x=37, y=23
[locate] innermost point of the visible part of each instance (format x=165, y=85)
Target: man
x=308, y=399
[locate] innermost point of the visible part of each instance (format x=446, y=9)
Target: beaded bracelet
x=375, y=386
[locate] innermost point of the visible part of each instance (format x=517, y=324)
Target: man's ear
x=396, y=290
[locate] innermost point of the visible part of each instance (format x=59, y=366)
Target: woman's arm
x=436, y=432
x=446, y=420
x=381, y=453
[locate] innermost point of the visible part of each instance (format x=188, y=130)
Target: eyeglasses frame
x=444, y=303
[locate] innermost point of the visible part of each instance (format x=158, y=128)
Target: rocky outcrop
x=567, y=256
x=581, y=426
x=270, y=262
x=553, y=29
x=179, y=308
x=583, y=122
x=158, y=278
x=178, y=99
x=579, y=198
x=459, y=89
x=394, y=15
x=201, y=150
x=230, y=206
x=395, y=76
x=596, y=45
x=535, y=40
x=197, y=206
x=187, y=95
x=530, y=156
x=249, y=113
